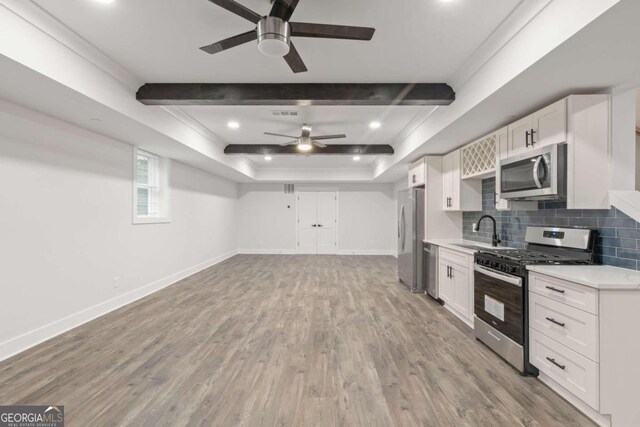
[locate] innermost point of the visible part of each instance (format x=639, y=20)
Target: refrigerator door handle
x=403, y=228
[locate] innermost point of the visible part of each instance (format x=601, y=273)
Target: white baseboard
x=365, y=252
x=598, y=418
x=32, y=338
x=267, y=251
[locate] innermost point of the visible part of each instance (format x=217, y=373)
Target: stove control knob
x=513, y=269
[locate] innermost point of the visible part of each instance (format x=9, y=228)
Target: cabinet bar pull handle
x=563, y=367
x=560, y=291
x=527, y=139
x=532, y=133
x=555, y=321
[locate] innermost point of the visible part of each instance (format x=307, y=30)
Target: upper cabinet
x=544, y=127
x=417, y=174
x=459, y=194
x=479, y=157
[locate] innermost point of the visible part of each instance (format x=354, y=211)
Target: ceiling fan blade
x=294, y=60
x=289, y=143
x=279, y=134
x=283, y=9
x=230, y=42
x=319, y=144
x=320, y=137
x=303, y=29
x=238, y=9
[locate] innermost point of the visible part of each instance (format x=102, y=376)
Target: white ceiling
x=158, y=40
x=415, y=41
x=397, y=122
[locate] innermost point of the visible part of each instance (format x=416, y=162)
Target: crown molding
x=39, y=18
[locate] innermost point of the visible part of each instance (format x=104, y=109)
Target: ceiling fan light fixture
x=304, y=144
x=274, y=35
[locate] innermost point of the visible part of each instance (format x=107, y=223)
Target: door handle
x=533, y=132
x=563, y=367
x=560, y=291
x=526, y=139
x=319, y=225
x=552, y=320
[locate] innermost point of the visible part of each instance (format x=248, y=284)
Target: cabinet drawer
x=574, y=372
x=459, y=258
x=578, y=296
x=571, y=327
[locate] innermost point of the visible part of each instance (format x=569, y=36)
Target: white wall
x=66, y=228
x=366, y=218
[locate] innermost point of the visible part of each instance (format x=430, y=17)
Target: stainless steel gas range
x=501, y=314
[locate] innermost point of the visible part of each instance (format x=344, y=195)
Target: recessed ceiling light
x=375, y=125
x=233, y=125
x=356, y=158
x=268, y=158
x=104, y=1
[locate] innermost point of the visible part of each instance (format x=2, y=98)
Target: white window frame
x=164, y=180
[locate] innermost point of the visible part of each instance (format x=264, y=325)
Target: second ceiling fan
x=305, y=141
x=274, y=31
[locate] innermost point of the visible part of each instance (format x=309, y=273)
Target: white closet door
x=307, y=223
x=327, y=203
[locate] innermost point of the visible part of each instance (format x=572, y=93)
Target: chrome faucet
x=494, y=238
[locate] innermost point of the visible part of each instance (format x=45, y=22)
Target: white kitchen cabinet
x=455, y=283
x=479, y=157
x=550, y=125
x=459, y=194
x=417, y=174
x=544, y=127
x=583, y=123
x=445, y=285
x=582, y=340
x=518, y=134
x=462, y=288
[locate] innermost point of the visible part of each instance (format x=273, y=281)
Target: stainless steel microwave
x=539, y=174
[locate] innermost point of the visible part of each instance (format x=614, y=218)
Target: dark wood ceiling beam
x=344, y=149
x=296, y=94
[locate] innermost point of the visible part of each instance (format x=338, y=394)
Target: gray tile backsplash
x=618, y=241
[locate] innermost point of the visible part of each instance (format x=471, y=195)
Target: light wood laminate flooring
x=281, y=340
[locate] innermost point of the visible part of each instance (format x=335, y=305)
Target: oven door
x=535, y=175
x=499, y=302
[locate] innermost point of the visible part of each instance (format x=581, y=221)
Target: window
x=151, y=189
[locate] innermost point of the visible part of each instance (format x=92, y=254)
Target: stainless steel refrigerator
x=410, y=237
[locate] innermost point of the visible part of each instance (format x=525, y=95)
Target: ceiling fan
x=274, y=31
x=305, y=141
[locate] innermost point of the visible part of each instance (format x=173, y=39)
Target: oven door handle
x=513, y=280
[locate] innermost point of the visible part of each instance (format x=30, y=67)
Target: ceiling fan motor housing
x=274, y=35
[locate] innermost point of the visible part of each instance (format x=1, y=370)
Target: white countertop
x=453, y=245
x=594, y=276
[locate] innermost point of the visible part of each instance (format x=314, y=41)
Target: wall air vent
x=289, y=188
x=284, y=113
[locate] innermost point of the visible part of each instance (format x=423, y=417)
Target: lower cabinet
x=455, y=283
x=584, y=343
